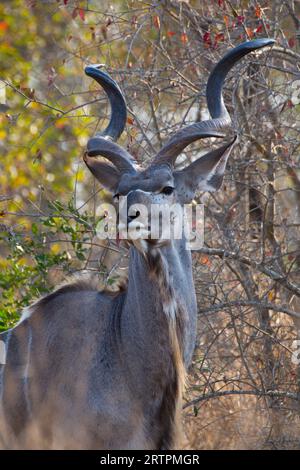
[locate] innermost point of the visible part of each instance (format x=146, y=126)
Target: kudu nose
x=133, y=216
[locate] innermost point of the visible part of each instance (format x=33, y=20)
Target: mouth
x=134, y=231
x=137, y=234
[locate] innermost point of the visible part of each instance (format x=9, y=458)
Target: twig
x=258, y=393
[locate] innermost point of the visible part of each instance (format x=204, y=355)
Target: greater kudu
x=90, y=369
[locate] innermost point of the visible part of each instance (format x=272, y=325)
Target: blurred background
x=244, y=384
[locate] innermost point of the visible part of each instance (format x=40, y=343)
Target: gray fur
x=98, y=366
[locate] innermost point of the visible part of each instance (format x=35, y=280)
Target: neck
x=160, y=283
x=159, y=315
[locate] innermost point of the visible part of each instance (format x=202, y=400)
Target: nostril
x=134, y=216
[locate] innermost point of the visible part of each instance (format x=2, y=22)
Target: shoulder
x=78, y=295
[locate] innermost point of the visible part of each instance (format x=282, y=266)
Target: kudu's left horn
x=220, y=122
x=103, y=143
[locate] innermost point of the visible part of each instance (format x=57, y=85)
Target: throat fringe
x=170, y=413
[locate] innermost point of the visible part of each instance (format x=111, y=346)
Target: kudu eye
x=167, y=190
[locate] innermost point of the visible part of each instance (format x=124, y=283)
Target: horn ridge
x=217, y=77
x=116, y=98
x=221, y=120
x=103, y=142
x=99, y=145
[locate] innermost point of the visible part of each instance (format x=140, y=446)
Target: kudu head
x=160, y=183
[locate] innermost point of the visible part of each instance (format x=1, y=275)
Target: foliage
x=32, y=253
x=247, y=274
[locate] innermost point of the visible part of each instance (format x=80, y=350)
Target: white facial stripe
x=147, y=192
x=140, y=190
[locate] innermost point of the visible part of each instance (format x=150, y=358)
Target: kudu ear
x=204, y=174
x=105, y=173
